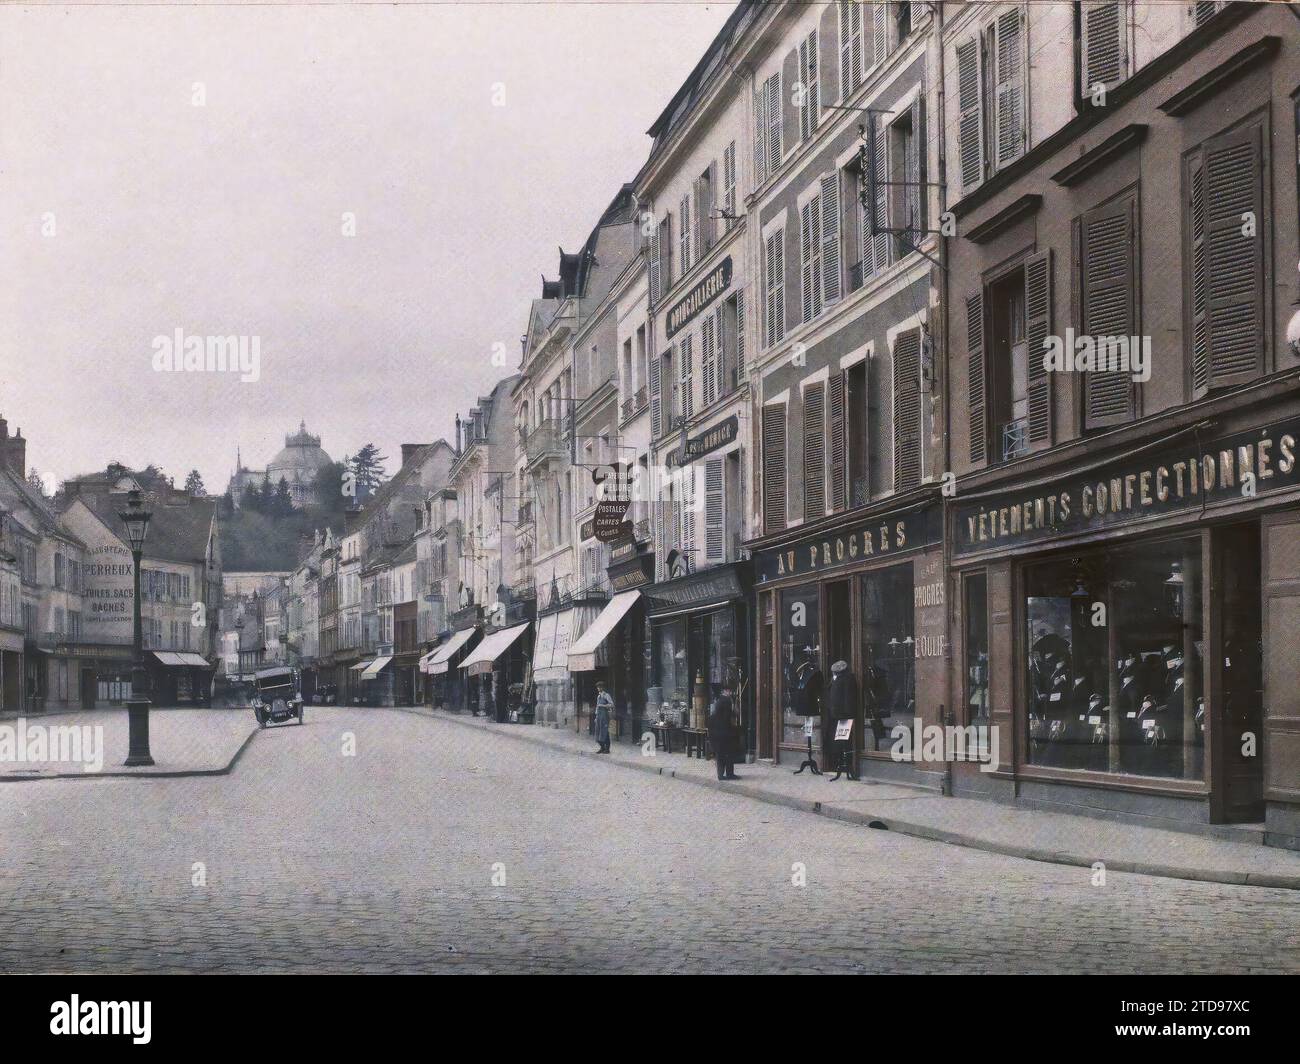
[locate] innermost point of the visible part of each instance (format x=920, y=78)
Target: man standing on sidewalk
x=722, y=735
x=604, y=704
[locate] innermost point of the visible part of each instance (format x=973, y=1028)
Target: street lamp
x=136, y=518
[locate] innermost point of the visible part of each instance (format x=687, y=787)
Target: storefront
x=442, y=667
x=864, y=589
x=699, y=643
x=554, y=685
x=1129, y=630
x=180, y=678
x=495, y=671
x=377, y=681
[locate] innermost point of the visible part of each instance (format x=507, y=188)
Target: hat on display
x=839, y=666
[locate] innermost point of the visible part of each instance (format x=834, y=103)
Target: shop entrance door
x=1242, y=699
x=839, y=647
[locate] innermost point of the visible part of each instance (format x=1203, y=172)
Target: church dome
x=302, y=455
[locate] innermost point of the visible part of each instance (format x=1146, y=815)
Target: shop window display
x=801, y=667
x=1114, y=662
x=977, y=649
x=889, y=649
x=674, y=681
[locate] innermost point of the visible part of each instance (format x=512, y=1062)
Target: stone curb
x=146, y=774
x=903, y=827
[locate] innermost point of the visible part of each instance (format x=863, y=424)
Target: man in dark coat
x=722, y=735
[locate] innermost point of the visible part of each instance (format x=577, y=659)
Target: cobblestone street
x=385, y=861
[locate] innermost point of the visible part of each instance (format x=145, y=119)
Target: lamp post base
x=137, y=711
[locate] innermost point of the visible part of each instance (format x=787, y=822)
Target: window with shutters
x=734, y=317
x=852, y=70
x=1106, y=258
x=729, y=198
x=686, y=365
x=1103, y=45
x=705, y=223
x=774, y=467
x=684, y=234
x=904, y=194
x=767, y=118
x=1223, y=183
x=970, y=104
x=1008, y=368
x=774, y=287
x=1008, y=101
x=907, y=410
x=810, y=254
x=837, y=439
x=814, y=451
x=662, y=276
x=708, y=354
x=992, y=92
x=809, y=74
x=875, y=242
x=715, y=511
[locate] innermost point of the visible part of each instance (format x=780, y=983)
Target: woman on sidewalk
x=604, y=703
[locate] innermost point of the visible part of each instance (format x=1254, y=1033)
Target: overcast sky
x=129, y=212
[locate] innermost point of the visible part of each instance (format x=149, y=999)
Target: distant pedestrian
x=722, y=735
x=604, y=703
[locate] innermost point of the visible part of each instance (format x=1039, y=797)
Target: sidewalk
x=182, y=740
x=1058, y=838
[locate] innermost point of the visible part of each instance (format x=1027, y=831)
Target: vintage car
x=275, y=696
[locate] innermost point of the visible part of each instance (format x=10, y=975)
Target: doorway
x=1242, y=701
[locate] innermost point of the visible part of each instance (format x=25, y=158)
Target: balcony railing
x=545, y=441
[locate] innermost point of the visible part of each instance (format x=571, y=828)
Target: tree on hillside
x=249, y=499
x=283, y=503
x=327, y=489
x=367, y=468
x=194, y=483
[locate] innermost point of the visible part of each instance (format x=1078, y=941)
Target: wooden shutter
x=880, y=242
x=686, y=510
x=907, y=410
x=719, y=355
x=1107, y=305
x=1234, y=262
x=920, y=147
x=729, y=183
x=1198, y=331
x=707, y=348
x=666, y=253
x=850, y=47
x=879, y=32
x=1104, y=58
x=976, y=382
x=654, y=266
x=687, y=377
x=715, y=499
x=684, y=234
x=740, y=335
x=775, y=286
x=814, y=452
x=1010, y=87
x=970, y=130
x=830, y=261
x=808, y=76
x=774, y=462
x=773, y=114
x=810, y=253
x=760, y=134
x=1038, y=327
x=835, y=393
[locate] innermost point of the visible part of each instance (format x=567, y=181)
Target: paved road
x=383, y=861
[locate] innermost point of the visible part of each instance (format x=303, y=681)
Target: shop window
x=671, y=658
x=888, y=649
x=1113, y=666
x=801, y=667
x=976, y=606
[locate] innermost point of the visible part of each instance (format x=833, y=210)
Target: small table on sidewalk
x=663, y=733
x=696, y=743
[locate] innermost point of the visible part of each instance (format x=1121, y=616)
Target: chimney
x=13, y=450
x=458, y=448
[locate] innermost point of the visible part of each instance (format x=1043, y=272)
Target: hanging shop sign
x=714, y=283
x=883, y=536
x=708, y=441
x=1175, y=479
x=709, y=587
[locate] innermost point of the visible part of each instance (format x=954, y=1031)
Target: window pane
x=977, y=649
x=888, y=648
x=801, y=668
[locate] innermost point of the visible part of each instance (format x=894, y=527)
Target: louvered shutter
x=846, y=50
x=838, y=443
x=918, y=196
x=907, y=410
x=808, y=239
x=775, y=148
x=740, y=335
x=1199, y=283
x=688, y=377
x=654, y=266
x=814, y=451
x=1038, y=327
x=719, y=355
x=1010, y=113
x=684, y=234
x=1106, y=246
x=687, y=511
x=880, y=242
x=1204, y=10
x=706, y=360
x=656, y=399
x=975, y=378
x=775, y=286
x=830, y=262
x=729, y=183
x=715, y=499
x=970, y=129
x=1234, y=262
x=1104, y=45
x=665, y=253
x=760, y=134
x=808, y=77
x=879, y=32
x=774, y=462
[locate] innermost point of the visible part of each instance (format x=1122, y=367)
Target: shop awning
x=375, y=668
x=361, y=665
x=492, y=647
x=186, y=659
x=442, y=656
x=584, y=655
x=423, y=663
